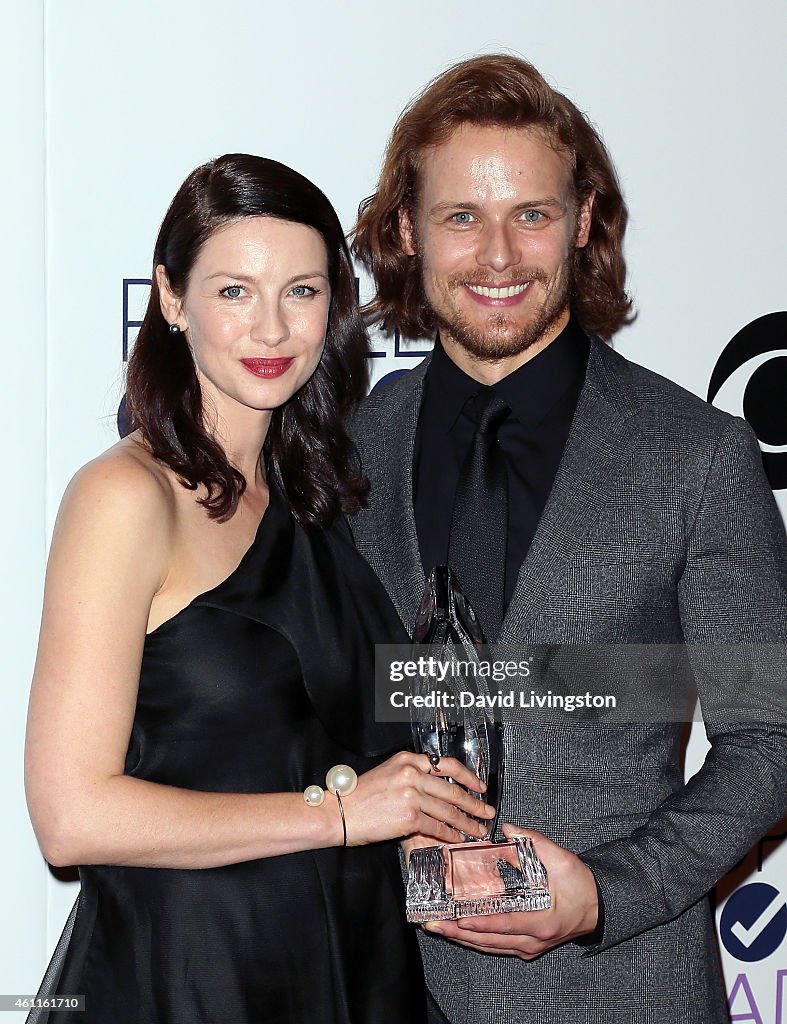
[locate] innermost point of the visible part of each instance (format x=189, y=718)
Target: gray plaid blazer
x=660, y=529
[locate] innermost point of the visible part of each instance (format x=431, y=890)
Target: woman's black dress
x=259, y=685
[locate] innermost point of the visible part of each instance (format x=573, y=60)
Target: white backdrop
x=106, y=108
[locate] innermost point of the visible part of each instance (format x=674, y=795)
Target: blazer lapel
x=599, y=443
x=393, y=550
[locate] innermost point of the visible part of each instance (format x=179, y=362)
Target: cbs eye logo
x=750, y=376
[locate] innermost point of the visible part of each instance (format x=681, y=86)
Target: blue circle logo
x=754, y=922
x=389, y=378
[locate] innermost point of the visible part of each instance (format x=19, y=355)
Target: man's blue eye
x=463, y=217
x=532, y=216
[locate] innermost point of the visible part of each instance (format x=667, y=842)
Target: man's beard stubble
x=493, y=341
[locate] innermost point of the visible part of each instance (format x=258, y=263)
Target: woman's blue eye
x=233, y=291
x=301, y=290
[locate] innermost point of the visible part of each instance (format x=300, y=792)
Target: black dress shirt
x=542, y=395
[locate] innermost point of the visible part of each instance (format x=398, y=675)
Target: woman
x=206, y=646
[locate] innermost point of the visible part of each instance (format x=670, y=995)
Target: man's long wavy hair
x=501, y=91
x=307, y=448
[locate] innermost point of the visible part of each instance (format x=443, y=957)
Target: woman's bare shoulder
x=121, y=504
x=125, y=485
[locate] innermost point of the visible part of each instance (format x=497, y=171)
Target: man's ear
x=406, y=232
x=584, y=220
x=171, y=305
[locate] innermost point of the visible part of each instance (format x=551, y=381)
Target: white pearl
x=341, y=779
x=314, y=795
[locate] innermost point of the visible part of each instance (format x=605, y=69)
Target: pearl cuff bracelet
x=341, y=780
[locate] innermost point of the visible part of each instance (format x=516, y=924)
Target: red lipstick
x=267, y=367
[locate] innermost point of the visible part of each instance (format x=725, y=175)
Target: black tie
x=479, y=525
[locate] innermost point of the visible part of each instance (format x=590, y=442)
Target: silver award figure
x=476, y=877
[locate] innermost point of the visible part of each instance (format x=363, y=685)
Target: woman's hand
x=112, y=554
x=406, y=796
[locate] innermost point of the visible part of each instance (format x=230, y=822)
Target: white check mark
x=748, y=936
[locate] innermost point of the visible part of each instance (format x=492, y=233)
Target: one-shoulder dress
x=259, y=685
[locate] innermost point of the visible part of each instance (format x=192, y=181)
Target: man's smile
x=507, y=294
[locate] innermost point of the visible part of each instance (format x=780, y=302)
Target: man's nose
x=498, y=247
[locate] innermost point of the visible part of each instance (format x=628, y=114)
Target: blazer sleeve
x=733, y=606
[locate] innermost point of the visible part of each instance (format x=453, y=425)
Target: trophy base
x=446, y=883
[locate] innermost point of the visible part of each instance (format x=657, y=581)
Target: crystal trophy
x=476, y=877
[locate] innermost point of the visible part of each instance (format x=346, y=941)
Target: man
x=628, y=512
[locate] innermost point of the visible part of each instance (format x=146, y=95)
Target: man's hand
x=574, y=910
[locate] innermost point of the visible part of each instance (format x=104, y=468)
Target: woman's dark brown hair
x=506, y=92
x=307, y=448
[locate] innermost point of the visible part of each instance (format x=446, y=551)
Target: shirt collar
x=448, y=389
x=531, y=390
